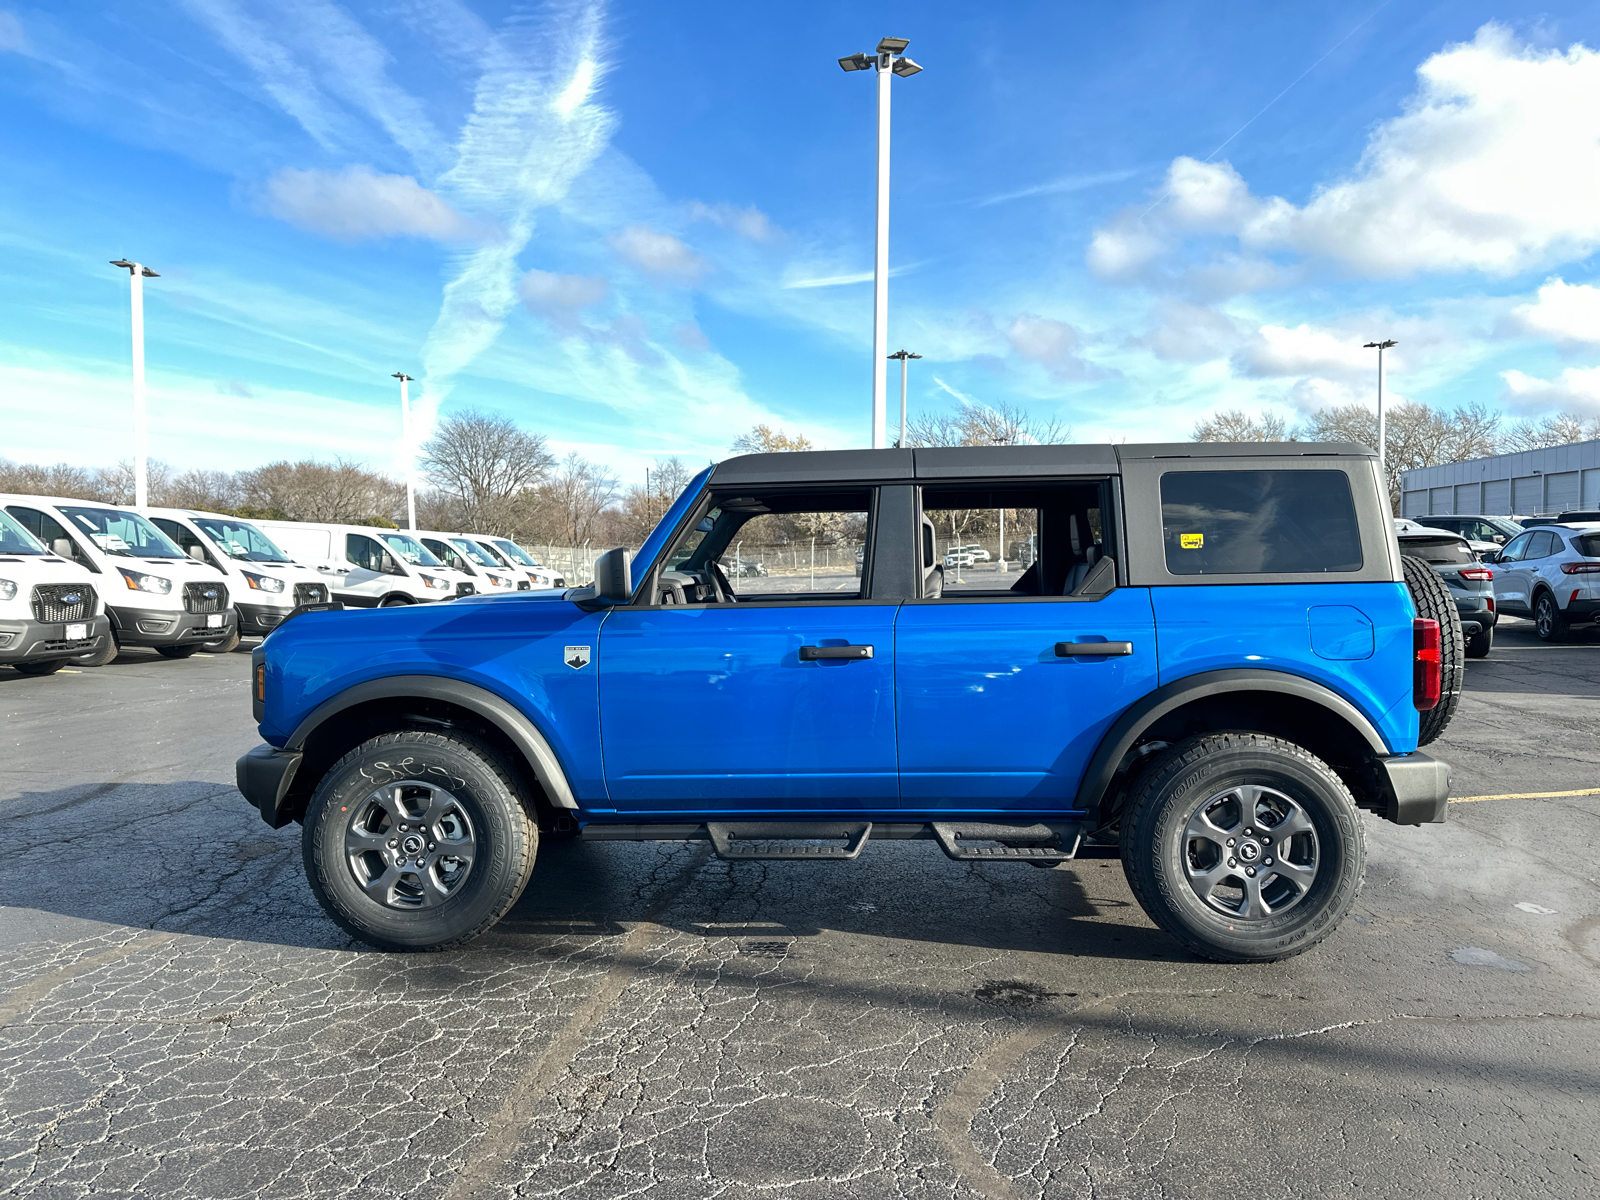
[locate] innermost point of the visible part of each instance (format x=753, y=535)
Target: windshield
x=514, y=552
x=410, y=550
x=239, y=540
x=124, y=534
x=473, y=551
x=446, y=554
x=14, y=539
x=1442, y=552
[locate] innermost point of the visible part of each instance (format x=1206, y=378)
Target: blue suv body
x=1210, y=659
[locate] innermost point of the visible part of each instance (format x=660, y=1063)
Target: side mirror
x=613, y=576
x=63, y=547
x=1490, y=556
x=197, y=553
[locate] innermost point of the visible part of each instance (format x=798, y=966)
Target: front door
x=756, y=678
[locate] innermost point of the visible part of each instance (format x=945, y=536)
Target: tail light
x=1478, y=573
x=1426, y=683
x=1580, y=568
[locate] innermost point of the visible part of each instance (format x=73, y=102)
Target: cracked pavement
x=177, y=1018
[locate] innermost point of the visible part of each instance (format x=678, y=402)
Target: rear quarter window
x=1587, y=544
x=1259, y=522
x=1441, y=552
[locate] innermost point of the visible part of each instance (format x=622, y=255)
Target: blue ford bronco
x=1209, y=656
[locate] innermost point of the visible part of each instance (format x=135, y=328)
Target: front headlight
x=145, y=583
x=442, y=584
x=263, y=583
x=8, y=590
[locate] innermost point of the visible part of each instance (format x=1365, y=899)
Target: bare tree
x=115, y=485
x=61, y=479
x=577, y=493
x=1560, y=430
x=486, y=462
x=1414, y=435
x=763, y=439
x=1234, y=425
x=1000, y=424
x=342, y=491
x=208, y=491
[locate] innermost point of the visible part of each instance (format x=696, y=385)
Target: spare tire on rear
x=1432, y=597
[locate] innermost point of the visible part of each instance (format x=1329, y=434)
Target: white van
x=50, y=611
x=511, y=555
x=465, y=555
x=267, y=584
x=154, y=594
x=368, y=567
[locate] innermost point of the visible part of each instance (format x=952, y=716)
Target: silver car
x=1552, y=574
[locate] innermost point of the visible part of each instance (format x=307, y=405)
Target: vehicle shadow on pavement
x=1521, y=663
x=190, y=857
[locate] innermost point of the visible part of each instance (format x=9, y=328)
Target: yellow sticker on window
x=1191, y=541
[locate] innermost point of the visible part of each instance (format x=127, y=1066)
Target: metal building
x=1530, y=483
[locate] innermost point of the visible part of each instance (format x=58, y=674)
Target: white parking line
x=1526, y=796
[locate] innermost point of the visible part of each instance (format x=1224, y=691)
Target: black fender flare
x=496, y=710
x=1119, y=739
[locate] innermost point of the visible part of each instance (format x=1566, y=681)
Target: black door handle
x=812, y=653
x=1093, y=649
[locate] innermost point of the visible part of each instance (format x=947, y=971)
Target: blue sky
x=642, y=228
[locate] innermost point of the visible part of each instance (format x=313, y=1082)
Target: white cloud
x=748, y=222
x=1276, y=351
x=1191, y=333
x=658, y=254
x=13, y=38
x=558, y=298
x=1491, y=167
x=358, y=203
x=1564, y=312
x=1576, y=389
x=1048, y=342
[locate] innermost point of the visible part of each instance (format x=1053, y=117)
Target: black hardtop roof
x=983, y=462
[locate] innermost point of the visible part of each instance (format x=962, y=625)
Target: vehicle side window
x=768, y=547
x=1023, y=540
x=1544, y=544
x=446, y=554
x=49, y=531
x=1515, y=548
x=1259, y=522
x=365, y=552
x=182, y=537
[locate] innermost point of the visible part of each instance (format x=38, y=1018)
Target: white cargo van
x=154, y=594
x=50, y=611
x=267, y=584
x=367, y=567
x=515, y=557
x=465, y=555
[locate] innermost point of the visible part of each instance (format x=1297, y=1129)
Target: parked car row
x=81, y=579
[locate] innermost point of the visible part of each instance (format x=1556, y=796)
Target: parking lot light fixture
x=411, y=454
x=887, y=61
x=137, y=274
x=903, y=355
x=1380, y=347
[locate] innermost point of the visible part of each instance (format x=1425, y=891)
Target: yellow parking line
x=1526, y=796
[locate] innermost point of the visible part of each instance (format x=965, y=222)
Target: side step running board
x=1047, y=842
x=787, y=839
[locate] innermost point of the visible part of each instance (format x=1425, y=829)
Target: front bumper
x=258, y=620
x=168, y=627
x=27, y=640
x=264, y=776
x=1418, y=787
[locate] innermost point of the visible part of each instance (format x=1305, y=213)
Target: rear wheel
x=41, y=668
x=1479, y=644
x=1243, y=847
x=1431, y=595
x=418, y=841
x=177, y=651
x=100, y=657
x=1548, y=618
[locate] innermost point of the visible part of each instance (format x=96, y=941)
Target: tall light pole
x=405, y=434
x=887, y=61
x=903, y=355
x=137, y=274
x=1383, y=469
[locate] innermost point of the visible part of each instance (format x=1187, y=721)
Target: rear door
x=1007, y=676
x=1511, y=574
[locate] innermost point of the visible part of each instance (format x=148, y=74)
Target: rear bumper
x=166, y=627
x=1582, y=610
x=264, y=776
x=44, y=641
x=1418, y=788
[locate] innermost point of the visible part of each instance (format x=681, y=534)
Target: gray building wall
x=1530, y=483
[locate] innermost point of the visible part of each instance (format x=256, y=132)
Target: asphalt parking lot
x=178, y=1019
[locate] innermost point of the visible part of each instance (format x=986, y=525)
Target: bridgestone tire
x=100, y=657
x=178, y=651
x=41, y=668
x=1431, y=595
x=474, y=775
x=1155, y=853
x=1479, y=644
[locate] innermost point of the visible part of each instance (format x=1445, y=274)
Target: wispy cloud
x=959, y=395
x=359, y=203
x=1066, y=183
x=823, y=281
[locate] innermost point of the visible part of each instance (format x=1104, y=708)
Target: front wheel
x=100, y=657
x=1548, y=618
x=1243, y=847
x=178, y=651
x=418, y=841
x=41, y=668
x=225, y=645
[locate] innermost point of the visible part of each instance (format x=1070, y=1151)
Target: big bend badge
x=576, y=657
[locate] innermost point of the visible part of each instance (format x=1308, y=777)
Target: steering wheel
x=721, y=589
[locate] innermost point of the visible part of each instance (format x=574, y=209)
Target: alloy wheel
x=1250, y=852
x=410, y=845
